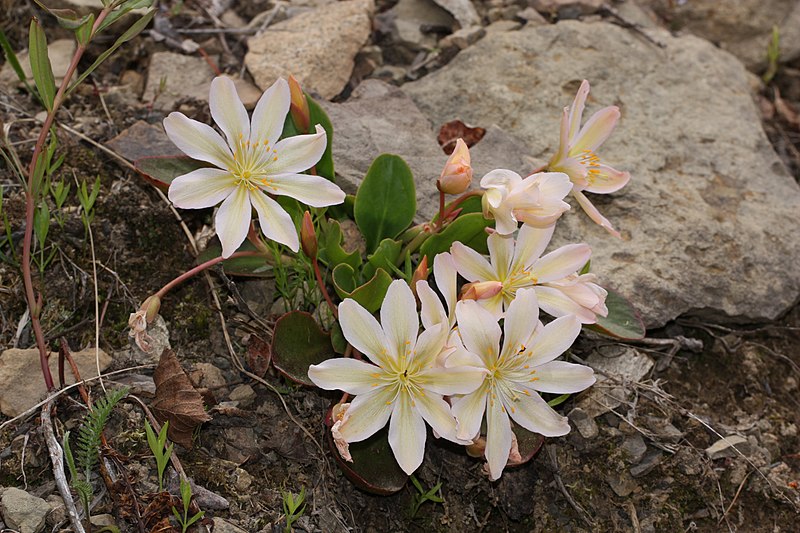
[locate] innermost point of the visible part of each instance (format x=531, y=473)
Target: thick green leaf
x=330, y=246
x=298, y=342
x=374, y=468
x=338, y=340
x=253, y=266
x=129, y=34
x=83, y=33
x=161, y=170
x=469, y=229
x=623, y=321
x=370, y=294
x=386, y=200
x=318, y=116
x=384, y=257
x=40, y=65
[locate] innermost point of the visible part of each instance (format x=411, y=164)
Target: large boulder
x=710, y=216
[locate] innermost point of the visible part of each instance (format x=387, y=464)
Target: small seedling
x=186, y=499
x=773, y=54
x=293, y=507
x=87, y=199
x=161, y=453
x=422, y=496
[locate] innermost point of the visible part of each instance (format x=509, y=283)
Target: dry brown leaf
x=450, y=132
x=176, y=400
x=259, y=355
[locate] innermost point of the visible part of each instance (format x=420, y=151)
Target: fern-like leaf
x=91, y=431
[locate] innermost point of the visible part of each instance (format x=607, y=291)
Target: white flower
x=516, y=373
x=519, y=264
x=404, y=386
x=537, y=200
x=251, y=166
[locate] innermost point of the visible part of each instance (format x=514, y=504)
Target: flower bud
x=420, y=274
x=151, y=307
x=457, y=174
x=308, y=237
x=299, y=106
x=481, y=290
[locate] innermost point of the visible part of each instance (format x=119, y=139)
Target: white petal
x=500, y=179
x=233, y=220
x=228, y=110
x=367, y=414
x=468, y=411
x=299, y=153
x=197, y=140
x=593, y=213
x=399, y=318
x=596, y=130
x=479, y=331
x=554, y=339
x=275, y=222
x=362, y=331
x=531, y=242
x=576, y=111
x=270, y=113
x=505, y=221
x=444, y=272
x=349, y=375
x=552, y=186
x=533, y=413
x=472, y=265
x=607, y=180
x=561, y=263
x=498, y=438
x=407, y=435
x=204, y=187
x=555, y=303
x=521, y=320
x=453, y=379
x=501, y=251
x=432, y=311
x=429, y=346
x=560, y=377
x=436, y=412
x=311, y=190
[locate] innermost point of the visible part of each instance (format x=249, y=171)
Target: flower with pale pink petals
x=537, y=200
x=251, y=167
x=457, y=173
x=576, y=155
x=518, y=264
x=515, y=374
x=404, y=385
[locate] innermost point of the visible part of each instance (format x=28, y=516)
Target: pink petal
x=596, y=130
x=606, y=180
x=594, y=214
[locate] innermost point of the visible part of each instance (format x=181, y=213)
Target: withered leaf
x=176, y=400
x=450, y=132
x=259, y=355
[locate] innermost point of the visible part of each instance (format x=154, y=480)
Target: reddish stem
x=455, y=203
x=324, y=289
x=199, y=268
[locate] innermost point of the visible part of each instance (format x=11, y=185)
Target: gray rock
x=222, y=526
x=158, y=340
x=728, y=447
x=585, y=424
x=244, y=394
x=172, y=77
x=408, y=23
x=22, y=511
x=318, y=47
x=141, y=140
x=21, y=381
x=462, y=10
x=650, y=461
x=635, y=448
x=704, y=215
x=622, y=484
x=59, y=52
x=463, y=37
x=619, y=370
x=663, y=429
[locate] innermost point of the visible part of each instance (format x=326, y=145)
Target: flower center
x=251, y=162
x=590, y=160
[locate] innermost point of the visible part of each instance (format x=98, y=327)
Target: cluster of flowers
x=462, y=365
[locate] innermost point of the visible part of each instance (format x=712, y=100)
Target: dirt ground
x=645, y=467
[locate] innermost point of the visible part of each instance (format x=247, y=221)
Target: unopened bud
x=457, y=174
x=481, y=290
x=151, y=307
x=420, y=274
x=299, y=106
x=308, y=237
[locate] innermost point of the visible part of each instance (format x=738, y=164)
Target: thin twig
x=57, y=457
x=551, y=451
x=735, y=497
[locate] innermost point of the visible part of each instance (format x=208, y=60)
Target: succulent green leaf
x=298, y=342
x=330, y=246
x=40, y=65
x=370, y=294
x=318, y=116
x=469, y=229
x=162, y=170
x=529, y=443
x=384, y=257
x=622, y=322
x=386, y=200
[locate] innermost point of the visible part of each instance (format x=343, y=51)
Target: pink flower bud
x=308, y=237
x=481, y=290
x=457, y=174
x=299, y=106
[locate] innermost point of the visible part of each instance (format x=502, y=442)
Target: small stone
x=531, y=16
x=143, y=140
x=207, y=376
x=249, y=94
x=585, y=424
x=223, y=526
x=627, y=365
x=463, y=37
x=244, y=394
x=58, y=512
x=407, y=21
x=650, y=461
x=103, y=520
x=503, y=26
x=462, y=10
x=60, y=53
x=622, y=485
x=663, y=429
x=242, y=479
x=22, y=511
x=182, y=76
x=727, y=447
x=635, y=448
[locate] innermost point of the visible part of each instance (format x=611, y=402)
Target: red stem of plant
x=455, y=203
x=324, y=289
x=441, y=210
x=35, y=306
x=199, y=268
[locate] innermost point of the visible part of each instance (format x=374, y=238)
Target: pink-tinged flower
x=251, y=167
x=515, y=374
x=457, y=174
x=404, y=385
x=576, y=155
x=519, y=264
x=537, y=200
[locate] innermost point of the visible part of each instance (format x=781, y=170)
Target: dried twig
x=551, y=452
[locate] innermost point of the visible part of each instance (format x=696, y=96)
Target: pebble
x=244, y=394
x=650, y=461
x=22, y=511
x=635, y=448
x=725, y=447
x=223, y=526
x=622, y=485
x=584, y=423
